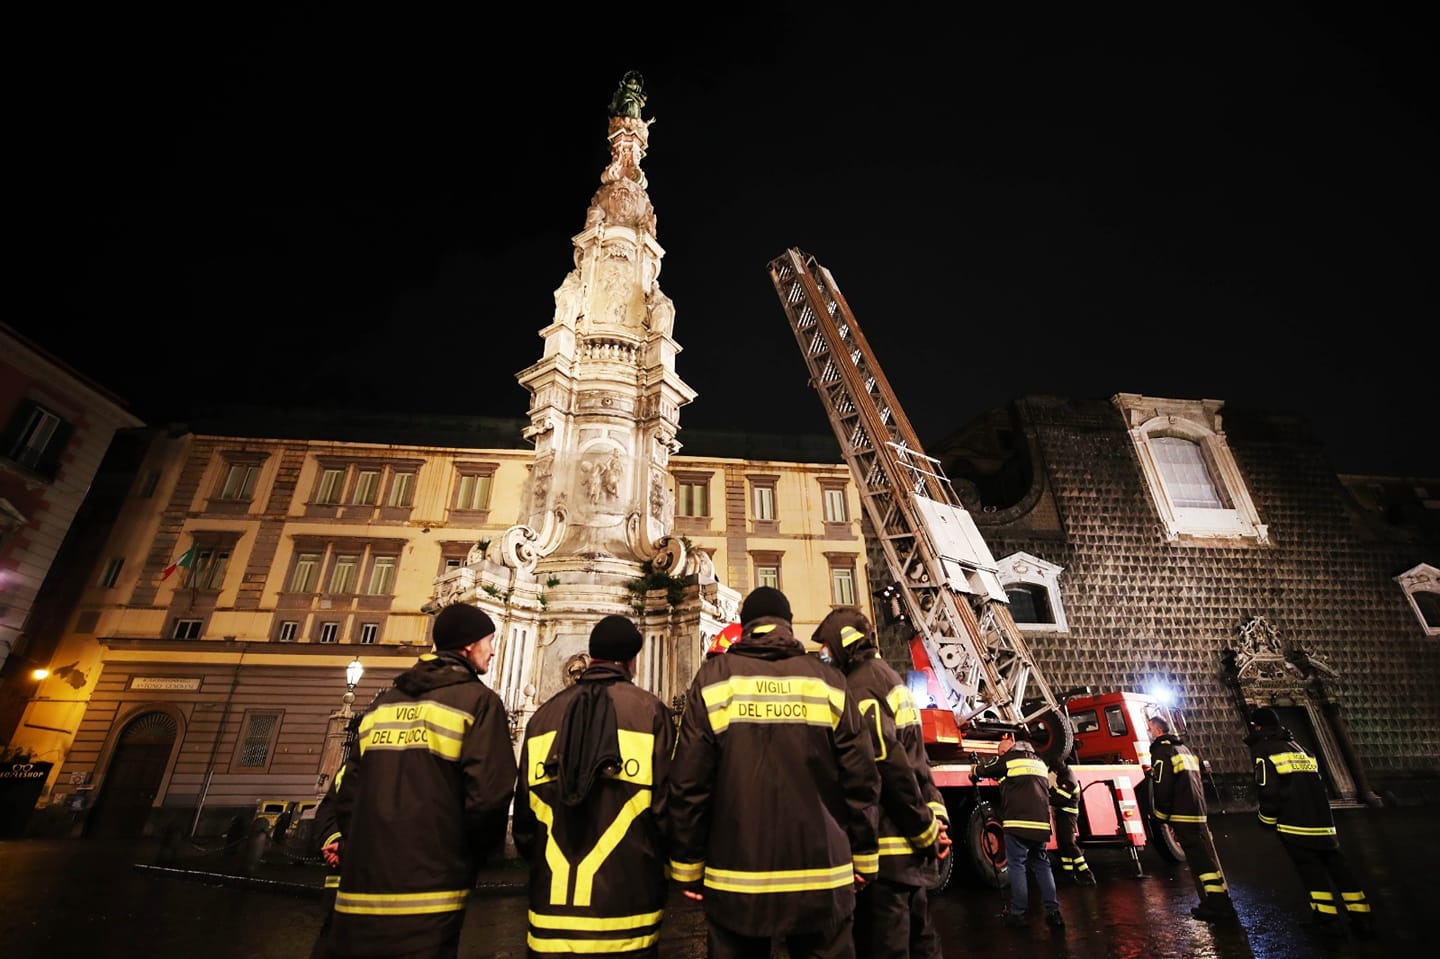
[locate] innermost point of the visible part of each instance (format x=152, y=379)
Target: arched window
x=1191, y=474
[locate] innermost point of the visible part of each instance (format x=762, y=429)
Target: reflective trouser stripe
x=1213, y=882
x=1323, y=902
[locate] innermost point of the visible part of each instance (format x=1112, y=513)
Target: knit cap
x=616, y=639
x=459, y=625
x=765, y=601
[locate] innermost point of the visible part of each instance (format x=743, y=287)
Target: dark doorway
x=1297, y=720
x=133, y=778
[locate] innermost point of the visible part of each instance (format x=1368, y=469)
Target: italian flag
x=187, y=559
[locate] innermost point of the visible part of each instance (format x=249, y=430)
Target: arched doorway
x=136, y=770
x=1264, y=671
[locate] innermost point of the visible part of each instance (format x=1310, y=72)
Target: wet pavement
x=110, y=898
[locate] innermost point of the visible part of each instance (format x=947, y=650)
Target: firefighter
x=1293, y=802
x=1065, y=803
x=772, y=797
x=590, y=806
x=431, y=789
x=1025, y=819
x=1178, y=796
x=892, y=914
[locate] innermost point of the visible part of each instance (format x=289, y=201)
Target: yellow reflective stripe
x=637, y=757
x=425, y=725
x=537, y=748
x=938, y=808
x=1177, y=817
x=636, y=766
x=895, y=846
x=1305, y=830
x=849, y=635
x=902, y=704
x=1025, y=824
x=1027, y=767
x=1162, y=816
x=581, y=946
x=332, y=882
x=1328, y=910
x=870, y=708
x=1286, y=763
x=931, y=833
x=1357, y=907
x=605, y=845
x=1259, y=772
x=789, y=880
x=1181, y=762
x=1063, y=792
x=1072, y=810
x=542, y=920
x=401, y=904
x=333, y=837
x=1268, y=820
x=686, y=871
x=865, y=863
x=1353, y=896
x=773, y=699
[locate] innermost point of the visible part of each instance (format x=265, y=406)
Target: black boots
x=1215, y=909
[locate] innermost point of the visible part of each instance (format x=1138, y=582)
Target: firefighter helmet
x=724, y=639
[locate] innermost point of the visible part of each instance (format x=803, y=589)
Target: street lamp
x=353, y=671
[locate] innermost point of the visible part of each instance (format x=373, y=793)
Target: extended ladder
x=932, y=550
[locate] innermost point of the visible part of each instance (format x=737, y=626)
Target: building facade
x=220, y=685
x=55, y=426
x=1151, y=543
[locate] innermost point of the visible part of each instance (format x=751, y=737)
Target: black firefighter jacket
x=773, y=789
x=589, y=809
x=423, y=803
x=1292, y=795
x=1178, y=791
x=910, y=803
x=1024, y=791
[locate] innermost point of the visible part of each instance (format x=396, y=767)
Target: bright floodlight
x=1163, y=694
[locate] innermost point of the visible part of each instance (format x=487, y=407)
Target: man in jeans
x=1025, y=817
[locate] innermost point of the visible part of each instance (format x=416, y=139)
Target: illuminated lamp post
x=332, y=756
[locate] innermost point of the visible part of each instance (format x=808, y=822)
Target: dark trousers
x=1203, y=860
x=1067, y=845
x=1318, y=868
x=892, y=921
x=838, y=943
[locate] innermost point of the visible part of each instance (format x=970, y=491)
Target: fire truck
x=973, y=673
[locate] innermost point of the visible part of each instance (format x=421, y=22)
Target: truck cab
x=1111, y=727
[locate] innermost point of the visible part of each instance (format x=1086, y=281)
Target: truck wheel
x=1052, y=735
x=1162, y=837
x=985, y=845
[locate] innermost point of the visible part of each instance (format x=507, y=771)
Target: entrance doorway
x=133, y=779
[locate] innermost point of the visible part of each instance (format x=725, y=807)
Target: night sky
x=370, y=208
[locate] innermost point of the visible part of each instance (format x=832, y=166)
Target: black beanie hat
x=459, y=625
x=1265, y=718
x=765, y=601
x=615, y=638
